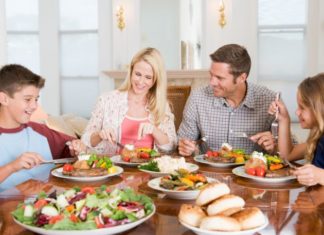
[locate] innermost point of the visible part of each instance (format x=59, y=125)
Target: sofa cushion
x=76, y=123
x=58, y=123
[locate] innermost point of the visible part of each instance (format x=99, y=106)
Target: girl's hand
x=27, y=160
x=309, y=175
x=283, y=112
x=108, y=134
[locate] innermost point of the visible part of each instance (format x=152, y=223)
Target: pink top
x=129, y=133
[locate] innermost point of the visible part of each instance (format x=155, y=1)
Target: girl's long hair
x=311, y=92
x=157, y=95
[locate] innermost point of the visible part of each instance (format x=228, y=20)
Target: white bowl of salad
x=84, y=211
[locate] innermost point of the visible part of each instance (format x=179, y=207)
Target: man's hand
x=186, y=147
x=265, y=140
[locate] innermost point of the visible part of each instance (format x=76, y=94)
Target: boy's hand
x=186, y=147
x=76, y=147
x=27, y=160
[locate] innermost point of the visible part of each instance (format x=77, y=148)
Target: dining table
x=291, y=208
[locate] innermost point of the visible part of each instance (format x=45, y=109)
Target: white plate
x=200, y=231
x=182, y=195
x=190, y=166
x=200, y=158
x=118, y=160
x=241, y=172
x=58, y=173
x=101, y=231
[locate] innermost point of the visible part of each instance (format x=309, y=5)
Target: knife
x=60, y=161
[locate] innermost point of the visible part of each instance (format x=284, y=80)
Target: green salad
x=84, y=209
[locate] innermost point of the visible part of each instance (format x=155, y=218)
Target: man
x=229, y=105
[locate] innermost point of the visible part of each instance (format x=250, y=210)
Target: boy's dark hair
x=236, y=56
x=13, y=77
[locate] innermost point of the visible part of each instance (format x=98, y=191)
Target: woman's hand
x=108, y=134
x=309, y=175
x=145, y=129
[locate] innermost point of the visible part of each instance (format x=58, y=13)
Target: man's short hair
x=236, y=56
x=14, y=77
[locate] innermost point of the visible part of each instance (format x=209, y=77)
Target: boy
x=24, y=144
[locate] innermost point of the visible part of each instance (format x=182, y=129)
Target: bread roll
x=250, y=218
x=211, y=192
x=220, y=223
x=191, y=214
x=226, y=205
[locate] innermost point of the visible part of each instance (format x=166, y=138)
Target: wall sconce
x=120, y=17
x=221, y=9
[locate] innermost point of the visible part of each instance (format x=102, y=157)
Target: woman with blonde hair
x=137, y=113
x=310, y=111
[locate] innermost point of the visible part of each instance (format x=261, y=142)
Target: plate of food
x=88, y=168
x=225, y=157
x=182, y=185
x=217, y=211
x=166, y=165
x=265, y=168
x=85, y=211
x=135, y=156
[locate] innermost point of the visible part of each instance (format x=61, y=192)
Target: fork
x=240, y=134
x=275, y=124
x=289, y=163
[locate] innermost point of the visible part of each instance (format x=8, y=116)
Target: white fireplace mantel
x=193, y=78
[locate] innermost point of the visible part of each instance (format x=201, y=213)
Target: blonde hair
x=157, y=95
x=311, y=92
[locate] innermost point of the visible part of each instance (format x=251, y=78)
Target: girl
x=310, y=111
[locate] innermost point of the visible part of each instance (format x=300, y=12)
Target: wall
x=161, y=29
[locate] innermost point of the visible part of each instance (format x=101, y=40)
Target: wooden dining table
x=290, y=207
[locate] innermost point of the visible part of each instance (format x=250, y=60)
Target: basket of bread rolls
x=216, y=211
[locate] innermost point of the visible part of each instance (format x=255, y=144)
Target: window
x=282, y=28
x=78, y=55
x=22, y=33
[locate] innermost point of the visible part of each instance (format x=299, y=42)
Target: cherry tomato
x=144, y=155
x=68, y=167
x=89, y=190
x=209, y=153
x=259, y=171
x=126, y=159
x=215, y=154
x=250, y=171
x=55, y=219
x=40, y=203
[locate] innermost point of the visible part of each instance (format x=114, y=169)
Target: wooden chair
x=177, y=96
